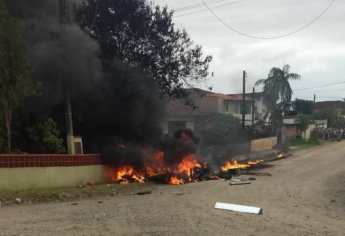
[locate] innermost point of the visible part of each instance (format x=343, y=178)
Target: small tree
x=303, y=122
x=15, y=69
x=46, y=135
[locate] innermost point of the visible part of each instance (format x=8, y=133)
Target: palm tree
x=276, y=87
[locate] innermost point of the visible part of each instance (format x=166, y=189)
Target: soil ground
x=304, y=196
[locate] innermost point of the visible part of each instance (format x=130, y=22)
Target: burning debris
x=169, y=160
x=280, y=154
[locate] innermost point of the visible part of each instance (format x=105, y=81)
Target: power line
x=198, y=5
x=195, y=12
x=321, y=91
x=275, y=37
x=322, y=86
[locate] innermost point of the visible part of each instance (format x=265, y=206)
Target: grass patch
x=305, y=143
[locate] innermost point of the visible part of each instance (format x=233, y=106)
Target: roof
x=256, y=95
x=178, y=108
x=330, y=104
x=229, y=97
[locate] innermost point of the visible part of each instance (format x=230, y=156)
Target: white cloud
x=317, y=53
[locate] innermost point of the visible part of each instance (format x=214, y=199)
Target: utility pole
x=64, y=19
x=253, y=115
x=314, y=103
x=244, y=102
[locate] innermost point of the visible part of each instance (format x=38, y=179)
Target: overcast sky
x=317, y=53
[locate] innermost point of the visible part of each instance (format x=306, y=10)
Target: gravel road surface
x=304, y=196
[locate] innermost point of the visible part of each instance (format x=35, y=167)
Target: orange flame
x=176, y=181
x=280, y=154
x=123, y=172
x=254, y=162
x=233, y=165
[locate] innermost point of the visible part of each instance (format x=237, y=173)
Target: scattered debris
x=123, y=182
x=238, y=208
x=91, y=183
x=256, y=174
x=100, y=202
x=240, y=183
x=333, y=201
x=18, y=200
x=80, y=186
x=74, y=204
x=252, y=178
x=236, y=180
x=144, y=192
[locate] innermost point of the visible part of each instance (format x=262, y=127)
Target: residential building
x=210, y=102
x=209, y=106
x=261, y=111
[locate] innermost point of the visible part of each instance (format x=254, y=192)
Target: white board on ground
x=238, y=208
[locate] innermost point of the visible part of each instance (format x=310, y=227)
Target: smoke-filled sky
x=317, y=53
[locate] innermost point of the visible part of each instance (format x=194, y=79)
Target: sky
x=317, y=52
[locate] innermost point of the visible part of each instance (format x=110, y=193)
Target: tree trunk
x=273, y=120
x=8, y=117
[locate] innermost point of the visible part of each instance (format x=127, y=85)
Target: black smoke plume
x=107, y=103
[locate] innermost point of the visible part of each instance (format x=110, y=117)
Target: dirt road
x=305, y=196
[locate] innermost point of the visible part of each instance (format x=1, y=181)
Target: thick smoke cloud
x=63, y=57
x=119, y=102
x=175, y=148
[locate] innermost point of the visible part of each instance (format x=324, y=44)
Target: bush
x=46, y=136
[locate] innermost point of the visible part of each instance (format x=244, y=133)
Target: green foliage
x=299, y=106
x=16, y=151
x=276, y=87
x=305, y=143
x=304, y=122
x=46, y=136
x=135, y=32
x=15, y=69
x=218, y=134
x=332, y=116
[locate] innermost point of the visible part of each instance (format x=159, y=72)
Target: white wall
x=261, y=108
x=307, y=133
x=190, y=125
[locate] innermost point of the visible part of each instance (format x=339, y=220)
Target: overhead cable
x=274, y=37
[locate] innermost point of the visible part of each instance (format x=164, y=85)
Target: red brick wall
x=46, y=160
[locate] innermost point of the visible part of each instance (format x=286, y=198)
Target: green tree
x=46, y=136
x=332, y=116
x=300, y=106
x=277, y=86
x=15, y=69
x=138, y=34
x=304, y=122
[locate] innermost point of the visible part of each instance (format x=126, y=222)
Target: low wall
x=50, y=177
x=263, y=144
x=19, y=172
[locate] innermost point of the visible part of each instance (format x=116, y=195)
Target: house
x=209, y=106
x=261, y=111
x=178, y=116
x=209, y=102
